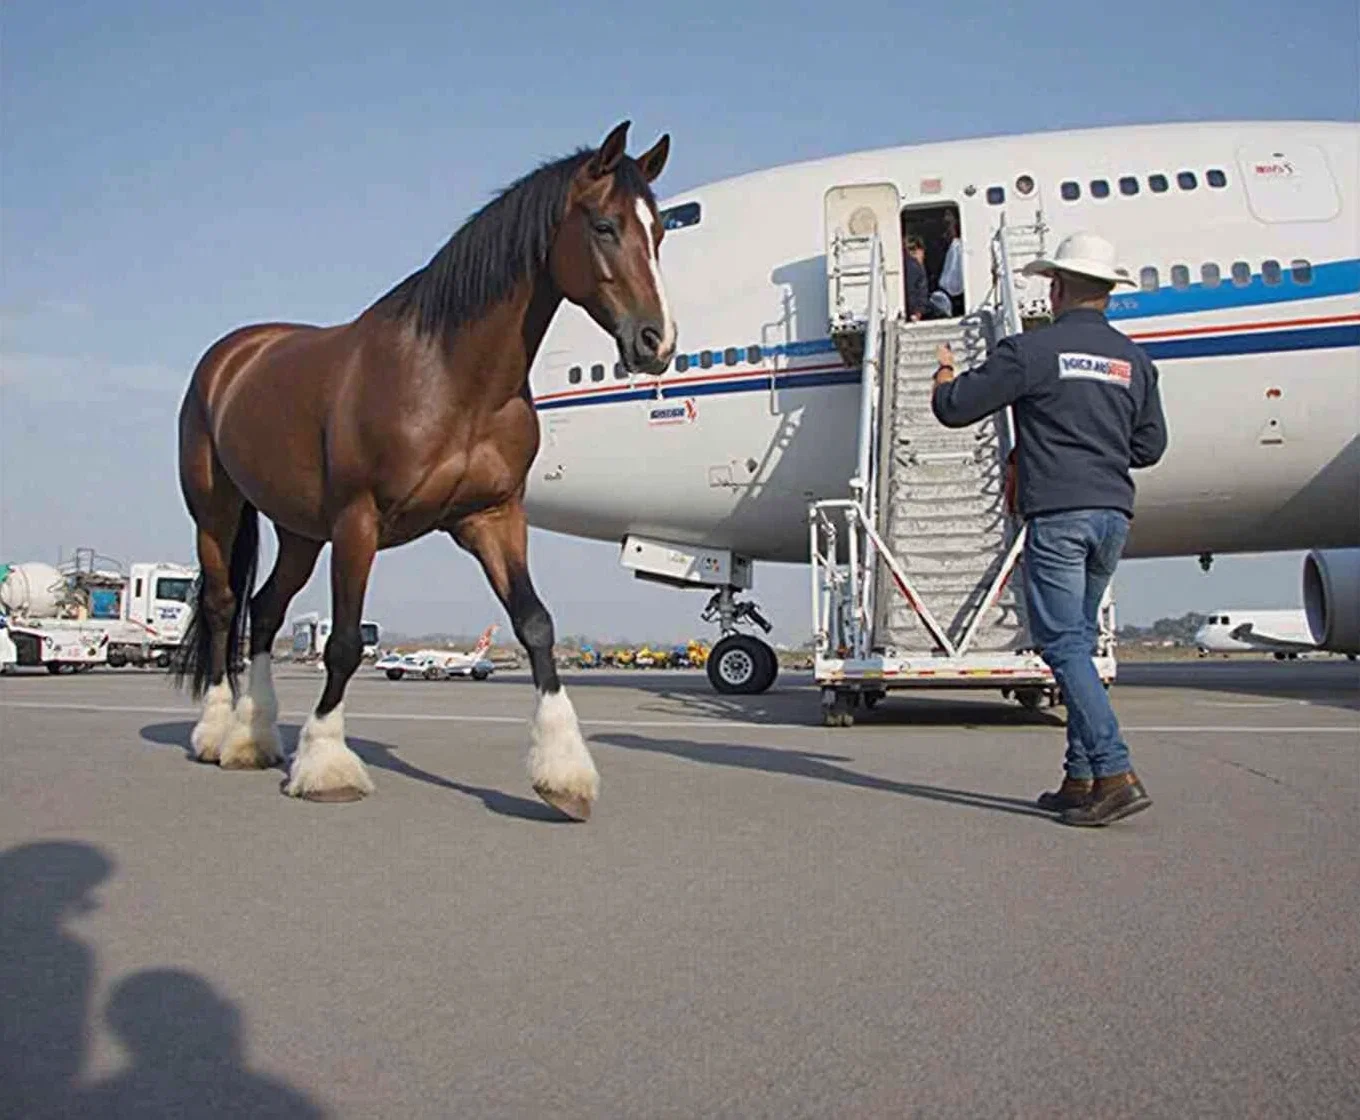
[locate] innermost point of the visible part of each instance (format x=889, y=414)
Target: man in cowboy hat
x=1087, y=410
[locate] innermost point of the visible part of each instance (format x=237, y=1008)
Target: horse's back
x=237, y=352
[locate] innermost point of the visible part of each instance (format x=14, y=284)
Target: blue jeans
x=1070, y=558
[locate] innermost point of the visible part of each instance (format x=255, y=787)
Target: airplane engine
x=1331, y=598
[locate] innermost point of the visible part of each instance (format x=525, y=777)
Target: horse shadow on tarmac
x=185, y=1043
x=383, y=757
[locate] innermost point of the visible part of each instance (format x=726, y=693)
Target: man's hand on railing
x=946, y=360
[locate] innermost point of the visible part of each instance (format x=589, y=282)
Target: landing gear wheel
x=1031, y=699
x=741, y=665
x=838, y=706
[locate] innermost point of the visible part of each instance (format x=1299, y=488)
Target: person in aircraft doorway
x=1087, y=410
x=918, y=286
x=948, y=296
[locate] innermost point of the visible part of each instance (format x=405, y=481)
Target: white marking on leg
x=667, y=323
x=323, y=763
x=214, y=724
x=253, y=742
x=558, y=758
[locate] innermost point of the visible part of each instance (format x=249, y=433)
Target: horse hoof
x=572, y=805
x=249, y=762
x=338, y=796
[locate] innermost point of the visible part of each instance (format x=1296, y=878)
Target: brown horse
x=415, y=416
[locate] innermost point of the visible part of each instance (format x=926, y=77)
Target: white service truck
x=78, y=616
x=311, y=632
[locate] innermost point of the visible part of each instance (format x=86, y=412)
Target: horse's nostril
x=651, y=339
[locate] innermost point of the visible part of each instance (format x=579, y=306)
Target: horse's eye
x=604, y=229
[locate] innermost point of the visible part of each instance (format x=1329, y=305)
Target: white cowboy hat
x=1085, y=254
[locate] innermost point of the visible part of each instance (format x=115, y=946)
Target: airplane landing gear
x=739, y=664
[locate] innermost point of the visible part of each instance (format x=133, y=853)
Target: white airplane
x=441, y=664
x=1285, y=633
x=1243, y=237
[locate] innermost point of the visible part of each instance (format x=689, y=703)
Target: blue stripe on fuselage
x=1332, y=279
x=1337, y=278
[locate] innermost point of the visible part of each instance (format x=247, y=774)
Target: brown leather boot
x=1072, y=792
x=1112, y=799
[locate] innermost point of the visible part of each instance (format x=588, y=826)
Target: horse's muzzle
x=642, y=347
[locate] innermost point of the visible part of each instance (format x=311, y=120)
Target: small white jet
x=441, y=664
x=1285, y=633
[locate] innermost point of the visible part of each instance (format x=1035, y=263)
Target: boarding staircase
x=912, y=572
x=943, y=506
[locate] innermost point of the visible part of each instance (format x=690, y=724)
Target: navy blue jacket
x=1086, y=405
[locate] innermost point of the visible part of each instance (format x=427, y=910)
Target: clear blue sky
x=170, y=170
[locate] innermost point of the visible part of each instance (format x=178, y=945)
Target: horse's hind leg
x=214, y=611
x=324, y=768
x=561, y=770
x=253, y=743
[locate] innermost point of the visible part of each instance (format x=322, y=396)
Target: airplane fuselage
x=1244, y=239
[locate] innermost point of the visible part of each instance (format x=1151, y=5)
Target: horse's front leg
x=324, y=767
x=561, y=770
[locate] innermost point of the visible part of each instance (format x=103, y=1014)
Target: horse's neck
x=503, y=345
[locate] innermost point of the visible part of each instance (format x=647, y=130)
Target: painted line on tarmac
x=440, y=717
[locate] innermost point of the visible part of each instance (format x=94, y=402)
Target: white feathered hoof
x=214, y=724
x=561, y=770
x=253, y=741
x=324, y=768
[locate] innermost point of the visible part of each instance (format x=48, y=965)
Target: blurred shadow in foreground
x=46, y=972
x=186, y=1048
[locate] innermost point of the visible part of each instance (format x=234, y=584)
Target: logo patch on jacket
x=1095, y=367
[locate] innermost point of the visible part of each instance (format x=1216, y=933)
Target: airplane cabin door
x=852, y=212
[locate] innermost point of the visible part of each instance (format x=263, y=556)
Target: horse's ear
x=654, y=159
x=611, y=151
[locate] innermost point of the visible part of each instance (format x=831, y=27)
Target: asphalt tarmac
x=763, y=918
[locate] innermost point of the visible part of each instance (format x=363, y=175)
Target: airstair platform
x=916, y=574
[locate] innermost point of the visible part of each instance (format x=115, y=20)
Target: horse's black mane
x=506, y=240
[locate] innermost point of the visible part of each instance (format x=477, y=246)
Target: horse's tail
x=194, y=657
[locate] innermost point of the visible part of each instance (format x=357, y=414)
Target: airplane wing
x=1245, y=633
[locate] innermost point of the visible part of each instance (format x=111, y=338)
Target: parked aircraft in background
x=441, y=664
x=1284, y=633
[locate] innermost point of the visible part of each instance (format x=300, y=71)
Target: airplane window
x=574, y=375
x=1071, y=191
x=996, y=195
x=1128, y=185
x=1186, y=180
x=1270, y=272
x=1180, y=276
x=1147, y=278
x=1209, y=275
x=1241, y=273
x=753, y=354
x=1301, y=271
x=677, y=217
x=1224, y=620
x=1157, y=184
x=597, y=372
x=1100, y=188
x=620, y=372
x=730, y=357
x=705, y=359
x=1216, y=178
